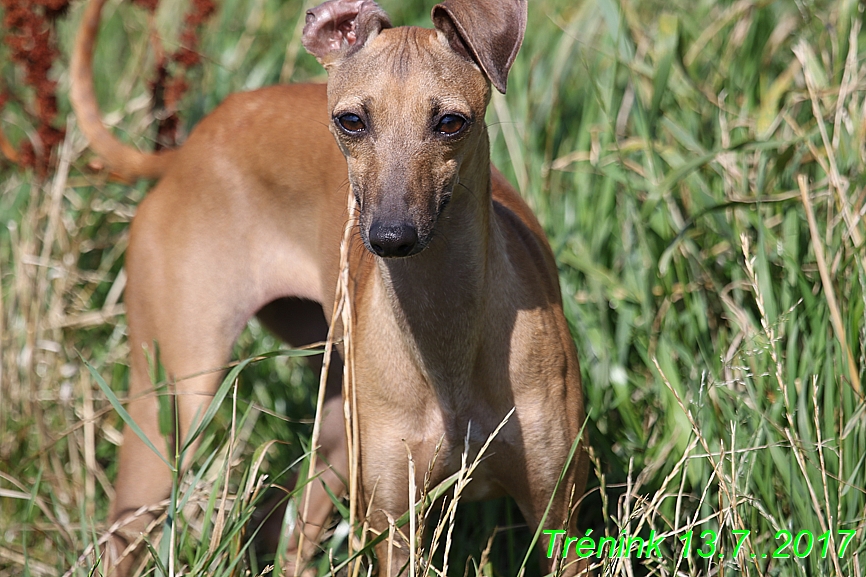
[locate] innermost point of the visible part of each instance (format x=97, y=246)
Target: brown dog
x=457, y=310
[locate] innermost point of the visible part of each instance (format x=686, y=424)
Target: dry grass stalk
x=413, y=546
x=464, y=477
x=219, y=522
x=341, y=304
x=827, y=282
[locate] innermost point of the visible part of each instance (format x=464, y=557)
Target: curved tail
x=127, y=162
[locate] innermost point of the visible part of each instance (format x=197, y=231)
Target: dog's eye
x=351, y=122
x=450, y=124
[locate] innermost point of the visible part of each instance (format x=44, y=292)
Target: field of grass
x=700, y=169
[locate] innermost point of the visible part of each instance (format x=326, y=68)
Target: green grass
x=667, y=148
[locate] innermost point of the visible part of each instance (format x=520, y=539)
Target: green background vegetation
x=672, y=151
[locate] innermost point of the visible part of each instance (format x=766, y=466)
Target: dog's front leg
x=390, y=501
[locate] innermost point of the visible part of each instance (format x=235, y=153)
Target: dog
x=457, y=311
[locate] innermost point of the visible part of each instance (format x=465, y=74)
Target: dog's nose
x=393, y=239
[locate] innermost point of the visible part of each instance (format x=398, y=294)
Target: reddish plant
x=167, y=89
x=28, y=31
x=30, y=36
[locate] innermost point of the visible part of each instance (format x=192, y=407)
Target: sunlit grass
x=671, y=151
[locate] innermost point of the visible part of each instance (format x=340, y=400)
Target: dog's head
x=407, y=106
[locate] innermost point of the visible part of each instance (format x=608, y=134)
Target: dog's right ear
x=339, y=28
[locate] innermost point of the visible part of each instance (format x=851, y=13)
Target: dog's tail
x=125, y=161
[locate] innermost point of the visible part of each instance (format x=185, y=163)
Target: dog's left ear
x=488, y=32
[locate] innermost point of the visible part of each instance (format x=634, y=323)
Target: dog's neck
x=440, y=297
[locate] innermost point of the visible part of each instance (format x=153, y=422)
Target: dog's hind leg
x=195, y=278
